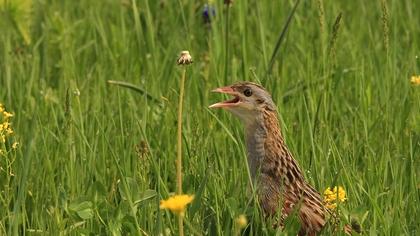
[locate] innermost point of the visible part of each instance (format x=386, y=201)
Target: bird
x=279, y=180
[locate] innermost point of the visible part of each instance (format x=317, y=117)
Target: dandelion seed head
x=185, y=58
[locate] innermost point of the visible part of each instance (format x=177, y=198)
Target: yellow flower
x=415, y=80
x=334, y=195
x=15, y=145
x=177, y=203
x=331, y=206
x=241, y=221
x=5, y=126
x=9, y=131
x=7, y=115
x=1, y=107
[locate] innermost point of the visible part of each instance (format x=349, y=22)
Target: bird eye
x=248, y=92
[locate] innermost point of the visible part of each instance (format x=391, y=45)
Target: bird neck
x=267, y=149
x=277, y=155
x=265, y=125
x=255, y=134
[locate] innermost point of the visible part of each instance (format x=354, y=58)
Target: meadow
x=87, y=157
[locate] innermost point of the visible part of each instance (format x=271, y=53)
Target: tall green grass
x=96, y=158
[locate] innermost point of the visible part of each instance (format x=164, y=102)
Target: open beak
x=229, y=103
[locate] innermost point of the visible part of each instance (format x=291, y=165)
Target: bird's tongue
x=229, y=103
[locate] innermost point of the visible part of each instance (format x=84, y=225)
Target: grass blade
x=135, y=88
x=281, y=38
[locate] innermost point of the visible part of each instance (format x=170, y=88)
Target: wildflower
x=7, y=115
x=208, y=13
x=9, y=131
x=177, y=203
x=241, y=221
x=185, y=58
x=15, y=145
x=5, y=127
x=334, y=195
x=415, y=80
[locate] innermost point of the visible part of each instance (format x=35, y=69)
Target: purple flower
x=208, y=13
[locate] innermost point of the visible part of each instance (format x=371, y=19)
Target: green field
x=96, y=159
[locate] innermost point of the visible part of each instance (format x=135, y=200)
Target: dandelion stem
x=179, y=135
x=181, y=225
x=179, y=148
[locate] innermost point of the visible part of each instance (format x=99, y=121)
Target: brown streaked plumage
x=280, y=182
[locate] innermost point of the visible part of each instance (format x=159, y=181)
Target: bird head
x=249, y=100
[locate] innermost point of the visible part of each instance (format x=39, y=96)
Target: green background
x=95, y=158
